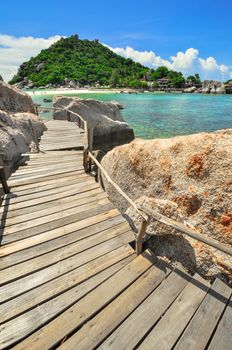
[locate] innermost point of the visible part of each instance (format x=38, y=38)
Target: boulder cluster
x=106, y=125
x=16, y=134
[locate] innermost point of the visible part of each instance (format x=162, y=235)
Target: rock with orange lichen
x=194, y=173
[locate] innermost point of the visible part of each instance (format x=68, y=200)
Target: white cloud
x=188, y=62
x=14, y=51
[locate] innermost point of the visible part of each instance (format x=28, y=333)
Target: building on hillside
x=163, y=83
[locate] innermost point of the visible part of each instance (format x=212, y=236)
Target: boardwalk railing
x=144, y=212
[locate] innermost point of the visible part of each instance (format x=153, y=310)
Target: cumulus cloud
x=188, y=62
x=14, y=51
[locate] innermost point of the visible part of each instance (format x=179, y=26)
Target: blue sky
x=148, y=31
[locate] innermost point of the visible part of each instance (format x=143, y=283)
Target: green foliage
x=159, y=73
x=137, y=84
x=115, y=78
x=87, y=62
x=195, y=78
x=175, y=79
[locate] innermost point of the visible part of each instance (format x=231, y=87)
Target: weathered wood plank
x=48, y=246
x=138, y=324
x=62, y=182
x=60, y=254
x=27, y=197
x=199, y=330
x=62, y=285
x=17, y=287
x=36, y=201
x=60, y=222
x=44, y=177
x=222, y=336
x=73, y=202
x=74, y=317
x=98, y=328
x=49, y=208
x=61, y=231
x=165, y=334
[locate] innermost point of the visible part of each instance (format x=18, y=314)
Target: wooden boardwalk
x=70, y=277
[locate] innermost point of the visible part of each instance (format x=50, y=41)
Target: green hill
x=87, y=62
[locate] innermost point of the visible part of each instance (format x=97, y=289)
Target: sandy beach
x=71, y=91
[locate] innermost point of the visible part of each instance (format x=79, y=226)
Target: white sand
x=70, y=91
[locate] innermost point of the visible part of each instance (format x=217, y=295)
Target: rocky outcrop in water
x=187, y=178
x=104, y=120
x=213, y=87
x=1, y=79
x=16, y=135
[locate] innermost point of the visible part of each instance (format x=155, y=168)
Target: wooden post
x=34, y=135
x=85, y=160
x=139, y=239
x=3, y=181
x=68, y=116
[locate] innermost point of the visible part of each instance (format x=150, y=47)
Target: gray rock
x=188, y=176
x=14, y=100
x=190, y=89
x=213, y=87
x=104, y=120
x=39, y=66
x=16, y=135
x=1, y=79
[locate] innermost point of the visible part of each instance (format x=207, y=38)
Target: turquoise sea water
x=166, y=115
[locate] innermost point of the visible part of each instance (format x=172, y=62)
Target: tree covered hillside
x=87, y=62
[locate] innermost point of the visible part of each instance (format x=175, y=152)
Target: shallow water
x=166, y=115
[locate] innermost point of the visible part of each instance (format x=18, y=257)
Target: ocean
x=165, y=115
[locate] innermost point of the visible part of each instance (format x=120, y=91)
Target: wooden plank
x=42, y=221
x=61, y=253
x=52, y=333
x=44, y=177
x=48, y=171
x=56, y=288
x=165, y=334
x=41, y=200
x=98, y=328
x=55, y=201
x=17, y=287
x=43, y=167
x=65, y=220
x=222, y=336
x=201, y=327
x=74, y=236
x=49, y=162
x=66, y=181
x=74, y=202
x=69, y=146
x=50, y=180
x=61, y=231
x=138, y=324
x=75, y=185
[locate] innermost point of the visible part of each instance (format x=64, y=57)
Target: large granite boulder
x=16, y=134
x=104, y=119
x=187, y=178
x=14, y=100
x=213, y=87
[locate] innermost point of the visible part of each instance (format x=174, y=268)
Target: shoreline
x=71, y=91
